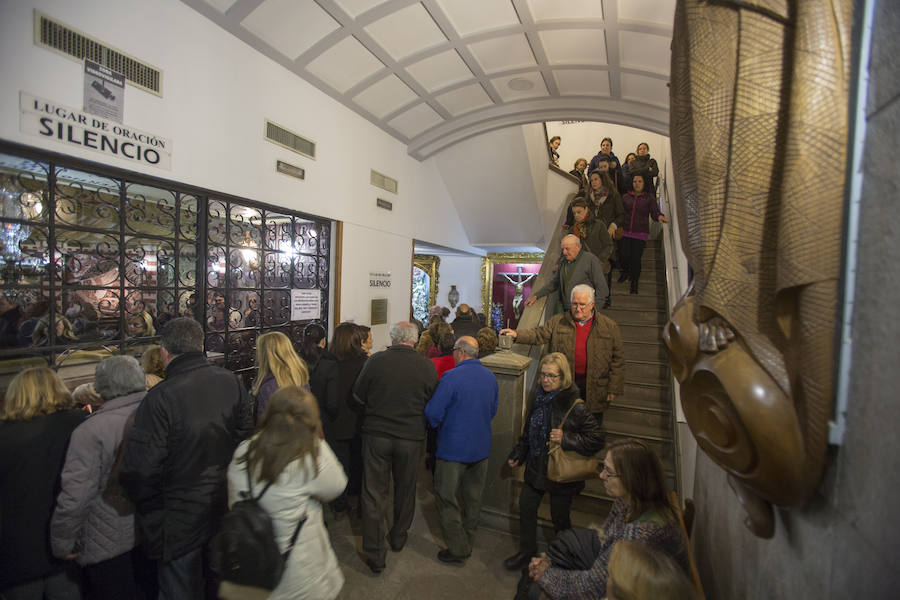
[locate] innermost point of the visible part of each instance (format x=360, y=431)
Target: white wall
x=395, y=255
x=465, y=273
x=216, y=93
x=582, y=140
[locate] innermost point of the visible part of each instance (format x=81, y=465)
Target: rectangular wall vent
x=290, y=140
x=71, y=42
x=384, y=182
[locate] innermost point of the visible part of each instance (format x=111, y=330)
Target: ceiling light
x=520, y=84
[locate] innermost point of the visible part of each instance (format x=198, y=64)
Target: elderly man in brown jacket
x=592, y=344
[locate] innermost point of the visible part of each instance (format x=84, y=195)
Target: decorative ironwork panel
x=109, y=257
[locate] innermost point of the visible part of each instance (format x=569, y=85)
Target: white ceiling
x=435, y=72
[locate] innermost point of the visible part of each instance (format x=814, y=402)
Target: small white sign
x=306, y=304
x=104, y=91
x=379, y=279
x=74, y=127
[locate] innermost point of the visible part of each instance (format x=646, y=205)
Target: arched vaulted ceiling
x=435, y=72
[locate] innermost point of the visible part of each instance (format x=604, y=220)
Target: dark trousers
x=62, y=585
x=458, y=523
x=383, y=457
x=560, y=507
x=111, y=579
x=187, y=576
x=349, y=454
x=632, y=251
x=581, y=382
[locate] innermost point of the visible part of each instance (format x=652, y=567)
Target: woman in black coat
x=644, y=165
x=547, y=422
x=343, y=433
x=36, y=422
x=322, y=365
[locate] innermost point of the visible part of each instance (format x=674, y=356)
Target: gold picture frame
x=499, y=258
x=430, y=264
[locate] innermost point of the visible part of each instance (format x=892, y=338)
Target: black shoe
x=634, y=287
x=446, y=557
x=397, y=546
x=375, y=567
x=622, y=278
x=517, y=561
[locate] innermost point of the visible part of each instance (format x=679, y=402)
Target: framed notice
x=306, y=305
x=379, y=311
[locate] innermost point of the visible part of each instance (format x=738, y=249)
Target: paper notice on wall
x=104, y=91
x=306, y=305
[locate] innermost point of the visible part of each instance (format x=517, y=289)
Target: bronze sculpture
x=759, y=113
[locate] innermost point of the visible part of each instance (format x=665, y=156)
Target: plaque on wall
x=379, y=311
x=306, y=304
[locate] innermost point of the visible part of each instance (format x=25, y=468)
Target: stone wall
x=846, y=544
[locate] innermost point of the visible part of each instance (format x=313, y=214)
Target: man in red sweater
x=592, y=344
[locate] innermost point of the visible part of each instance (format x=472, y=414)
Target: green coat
x=605, y=355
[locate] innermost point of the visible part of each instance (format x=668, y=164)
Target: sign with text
x=380, y=279
x=72, y=127
x=104, y=91
x=306, y=304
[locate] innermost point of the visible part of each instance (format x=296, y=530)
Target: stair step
x=651, y=285
x=651, y=371
x=656, y=423
x=654, y=351
x=645, y=396
x=646, y=316
x=635, y=332
x=622, y=299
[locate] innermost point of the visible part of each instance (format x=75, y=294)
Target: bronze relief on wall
x=759, y=114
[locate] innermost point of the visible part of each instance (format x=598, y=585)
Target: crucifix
x=519, y=283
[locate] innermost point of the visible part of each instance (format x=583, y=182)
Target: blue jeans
x=182, y=578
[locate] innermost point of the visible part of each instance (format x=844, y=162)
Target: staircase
x=645, y=410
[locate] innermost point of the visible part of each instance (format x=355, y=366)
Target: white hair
x=581, y=288
x=404, y=333
x=117, y=376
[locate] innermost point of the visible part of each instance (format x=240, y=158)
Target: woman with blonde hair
x=141, y=325
x=638, y=572
x=278, y=365
x=152, y=364
x=36, y=421
x=557, y=415
x=288, y=466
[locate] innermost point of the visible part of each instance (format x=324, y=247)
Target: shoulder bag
x=565, y=466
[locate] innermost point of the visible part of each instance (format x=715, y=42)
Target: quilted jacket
x=92, y=517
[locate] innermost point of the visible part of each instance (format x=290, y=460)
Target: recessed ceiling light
x=520, y=84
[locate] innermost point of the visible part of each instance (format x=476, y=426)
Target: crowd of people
x=117, y=494
x=610, y=216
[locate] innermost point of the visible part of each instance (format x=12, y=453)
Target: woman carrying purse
x=558, y=416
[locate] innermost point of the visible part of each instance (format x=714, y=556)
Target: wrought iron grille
x=110, y=256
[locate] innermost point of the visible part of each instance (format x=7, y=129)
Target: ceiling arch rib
x=435, y=72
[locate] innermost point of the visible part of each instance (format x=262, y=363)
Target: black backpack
x=244, y=550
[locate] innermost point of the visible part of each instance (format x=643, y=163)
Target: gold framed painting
x=424, y=285
x=506, y=282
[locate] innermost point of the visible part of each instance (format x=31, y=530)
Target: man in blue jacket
x=461, y=409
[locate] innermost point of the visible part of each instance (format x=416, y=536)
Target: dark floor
x=415, y=572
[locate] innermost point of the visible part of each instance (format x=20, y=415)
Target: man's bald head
x=467, y=346
x=570, y=246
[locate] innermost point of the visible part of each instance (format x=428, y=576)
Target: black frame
x=305, y=263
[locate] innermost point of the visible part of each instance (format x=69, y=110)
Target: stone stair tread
x=620, y=431
x=626, y=402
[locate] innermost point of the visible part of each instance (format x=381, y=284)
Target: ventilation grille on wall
x=384, y=182
x=290, y=140
x=62, y=38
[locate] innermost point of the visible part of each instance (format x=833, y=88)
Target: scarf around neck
x=539, y=425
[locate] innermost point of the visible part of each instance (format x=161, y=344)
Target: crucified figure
x=519, y=284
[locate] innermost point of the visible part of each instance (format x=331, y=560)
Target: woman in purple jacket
x=640, y=207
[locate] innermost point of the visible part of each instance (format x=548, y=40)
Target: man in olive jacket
x=185, y=431
x=576, y=266
x=591, y=343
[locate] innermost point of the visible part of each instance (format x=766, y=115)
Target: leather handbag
x=566, y=466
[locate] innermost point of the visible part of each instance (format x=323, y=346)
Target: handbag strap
x=577, y=400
